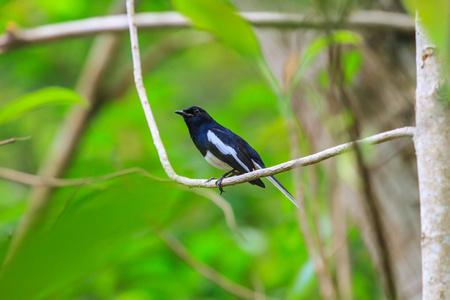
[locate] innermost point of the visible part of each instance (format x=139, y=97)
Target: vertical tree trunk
x=432, y=143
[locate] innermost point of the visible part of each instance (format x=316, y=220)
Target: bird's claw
x=219, y=183
x=221, y=190
x=210, y=179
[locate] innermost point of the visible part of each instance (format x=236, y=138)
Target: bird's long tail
x=281, y=188
x=285, y=192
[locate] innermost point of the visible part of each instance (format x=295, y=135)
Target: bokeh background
x=140, y=236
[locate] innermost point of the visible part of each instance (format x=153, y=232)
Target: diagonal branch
x=296, y=163
x=36, y=180
x=14, y=37
x=304, y=161
x=13, y=140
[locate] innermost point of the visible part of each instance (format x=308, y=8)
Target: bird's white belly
x=215, y=162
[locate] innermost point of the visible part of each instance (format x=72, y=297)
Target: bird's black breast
x=199, y=137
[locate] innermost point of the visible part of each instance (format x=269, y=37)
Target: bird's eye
x=196, y=111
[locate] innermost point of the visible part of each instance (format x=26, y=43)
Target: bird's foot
x=219, y=181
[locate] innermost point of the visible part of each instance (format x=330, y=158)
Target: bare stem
x=36, y=180
x=15, y=38
x=13, y=140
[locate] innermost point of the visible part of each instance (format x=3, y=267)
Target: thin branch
x=15, y=37
x=36, y=180
x=229, y=286
x=12, y=140
x=143, y=95
x=296, y=163
x=310, y=159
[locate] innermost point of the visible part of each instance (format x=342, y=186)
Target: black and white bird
x=224, y=149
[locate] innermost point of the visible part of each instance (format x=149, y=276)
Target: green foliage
x=38, y=99
x=220, y=18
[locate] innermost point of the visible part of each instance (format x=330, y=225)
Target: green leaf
x=38, y=99
x=351, y=61
x=221, y=19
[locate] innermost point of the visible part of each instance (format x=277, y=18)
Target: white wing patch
x=215, y=162
x=225, y=149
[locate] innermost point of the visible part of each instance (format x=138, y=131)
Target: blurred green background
x=106, y=240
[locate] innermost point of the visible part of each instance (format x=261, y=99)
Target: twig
x=207, y=271
x=36, y=180
x=312, y=159
x=12, y=140
x=15, y=38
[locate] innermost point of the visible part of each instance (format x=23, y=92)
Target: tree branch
x=308, y=160
x=36, y=180
x=14, y=37
x=296, y=163
x=13, y=140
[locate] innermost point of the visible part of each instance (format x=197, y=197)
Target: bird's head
x=194, y=115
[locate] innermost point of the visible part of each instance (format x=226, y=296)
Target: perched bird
x=224, y=149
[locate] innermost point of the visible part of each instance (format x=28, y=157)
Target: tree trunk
x=432, y=143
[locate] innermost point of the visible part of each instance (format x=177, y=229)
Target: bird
x=225, y=150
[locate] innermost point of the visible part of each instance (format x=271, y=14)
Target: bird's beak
x=182, y=113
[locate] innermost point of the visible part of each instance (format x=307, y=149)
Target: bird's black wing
x=233, y=150
x=223, y=144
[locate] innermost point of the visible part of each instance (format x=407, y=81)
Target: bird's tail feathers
x=285, y=192
x=281, y=188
